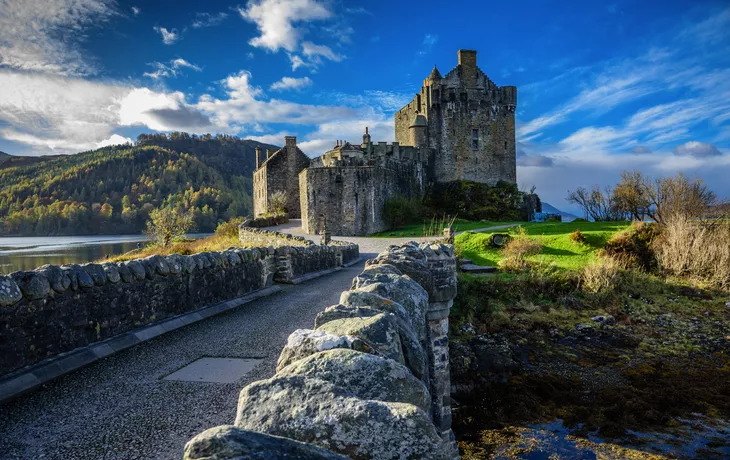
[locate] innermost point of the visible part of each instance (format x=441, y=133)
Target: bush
x=402, y=211
x=230, y=228
x=277, y=203
x=474, y=201
x=695, y=250
x=577, y=237
x=166, y=225
x=517, y=250
x=600, y=275
x=633, y=247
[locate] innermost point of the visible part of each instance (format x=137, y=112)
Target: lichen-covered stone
x=137, y=269
x=10, y=293
x=112, y=274
x=57, y=278
x=360, y=298
x=34, y=286
x=96, y=272
x=401, y=289
x=380, y=331
x=305, y=342
x=233, y=258
x=340, y=311
x=408, y=259
x=174, y=263
x=124, y=273
x=160, y=264
x=363, y=375
x=188, y=264
x=317, y=412
x=230, y=443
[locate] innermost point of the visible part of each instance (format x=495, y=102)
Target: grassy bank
x=558, y=248
x=184, y=247
x=428, y=228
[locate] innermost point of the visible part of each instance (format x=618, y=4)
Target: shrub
x=230, y=228
x=401, y=211
x=577, y=237
x=633, y=247
x=517, y=250
x=600, y=275
x=277, y=203
x=166, y=225
x=695, y=250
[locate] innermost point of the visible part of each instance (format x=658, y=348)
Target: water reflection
x=27, y=253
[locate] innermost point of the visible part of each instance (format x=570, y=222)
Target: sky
x=602, y=86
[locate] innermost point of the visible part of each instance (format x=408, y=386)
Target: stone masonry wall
x=53, y=310
x=371, y=381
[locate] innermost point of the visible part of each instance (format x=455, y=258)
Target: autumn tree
x=166, y=225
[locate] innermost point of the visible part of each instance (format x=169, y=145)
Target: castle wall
x=353, y=198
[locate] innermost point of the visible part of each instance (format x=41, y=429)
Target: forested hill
x=111, y=190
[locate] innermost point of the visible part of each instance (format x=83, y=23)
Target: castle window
x=475, y=139
x=473, y=113
x=452, y=94
x=463, y=97
x=505, y=146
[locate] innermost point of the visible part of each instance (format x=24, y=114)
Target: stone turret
x=468, y=66
x=366, y=139
x=417, y=132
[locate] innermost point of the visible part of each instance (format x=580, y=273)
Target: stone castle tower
x=467, y=121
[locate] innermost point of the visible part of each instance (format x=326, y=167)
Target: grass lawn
x=460, y=225
x=558, y=249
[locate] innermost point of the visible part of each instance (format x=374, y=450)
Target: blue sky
x=602, y=87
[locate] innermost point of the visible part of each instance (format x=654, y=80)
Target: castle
x=458, y=127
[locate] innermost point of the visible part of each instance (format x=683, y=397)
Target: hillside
x=547, y=207
x=4, y=157
x=111, y=190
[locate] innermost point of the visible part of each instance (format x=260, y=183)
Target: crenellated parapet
x=370, y=381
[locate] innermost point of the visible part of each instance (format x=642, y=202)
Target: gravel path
x=120, y=408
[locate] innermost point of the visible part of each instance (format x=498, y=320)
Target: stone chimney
x=468, y=65
x=290, y=143
x=270, y=152
x=258, y=157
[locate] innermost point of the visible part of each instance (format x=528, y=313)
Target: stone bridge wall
x=370, y=381
x=53, y=310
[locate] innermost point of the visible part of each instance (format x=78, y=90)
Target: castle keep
x=460, y=126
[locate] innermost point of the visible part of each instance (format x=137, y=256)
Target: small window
x=463, y=97
x=452, y=94
x=475, y=139
x=505, y=145
x=473, y=113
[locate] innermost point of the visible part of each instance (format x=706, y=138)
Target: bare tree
x=597, y=204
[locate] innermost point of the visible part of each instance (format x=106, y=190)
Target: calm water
x=27, y=253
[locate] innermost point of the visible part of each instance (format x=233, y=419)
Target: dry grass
x=185, y=247
x=577, y=237
x=695, y=251
x=517, y=250
x=601, y=275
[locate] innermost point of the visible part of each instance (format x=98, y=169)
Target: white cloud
x=45, y=36
x=314, y=52
x=136, y=11
x=287, y=83
x=115, y=139
x=171, y=69
x=429, y=40
x=168, y=36
x=275, y=20
x=697, y=149
x=640, y=150
x=208, y=20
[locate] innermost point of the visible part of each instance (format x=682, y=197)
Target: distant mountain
x=548, y=208
x=111, y=190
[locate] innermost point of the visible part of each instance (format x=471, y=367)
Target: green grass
x=558, y=249
x=460, y=225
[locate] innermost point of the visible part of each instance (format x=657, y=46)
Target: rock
x=232, y=257
x=410, y=260
x=380, y=269
x=727, y=304
x=124, y=273
x=10, y=293
x=112, y=274
x=206, y=259
x=137, y=269
x=364, y=376
x=412, y=350
x=315, y=411
x=380, y=331
x=305, y=342
x=96, y=272
x=493, y=354
x=361, y=298
x=401, y=289
x=228, y=443
x=604, y=320
x=160, y=264
x=149, y=267
x=57, y=278
x=188, y=264
x=467, y=328
x=174, y=263
x=34, y=286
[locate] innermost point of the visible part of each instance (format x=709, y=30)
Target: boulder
x=315, y=411
x=112, y=274
x=10, y=293
x=160, y=264
x=96, y=272
x=305, y=342
x=78, y=276
x=57, y=278
x=340, y=311
x=410, y=260
x=34, y=286
x=380, y=331
x=363, y=375
x=493, y=354
x=230, y=443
